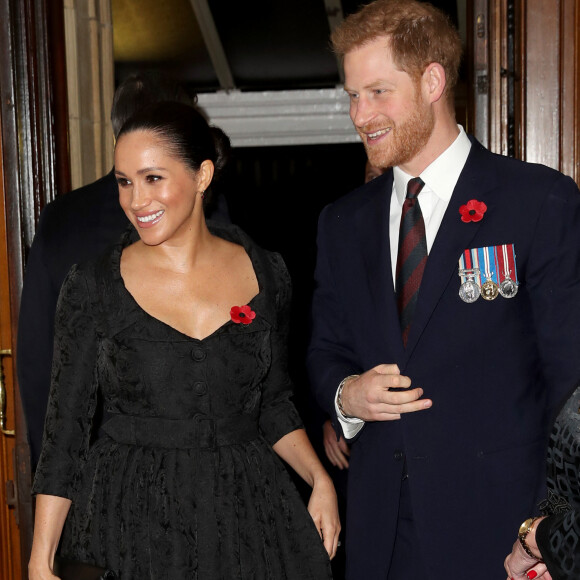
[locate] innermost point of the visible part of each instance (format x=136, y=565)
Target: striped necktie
x=412, y=256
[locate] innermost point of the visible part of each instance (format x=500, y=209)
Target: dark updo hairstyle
x=141, y=90
x=185, y=135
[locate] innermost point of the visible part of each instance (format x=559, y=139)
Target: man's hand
x=369, y=397
x=336, y=451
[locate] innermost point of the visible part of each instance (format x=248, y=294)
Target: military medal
x=488, y=272
x=506, y=261
x=469, y=290
x=489, y=289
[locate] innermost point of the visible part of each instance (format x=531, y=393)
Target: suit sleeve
x=35, y=339
x=553, y=280
x=278, y=415
x=73, y=393
x=331, y=357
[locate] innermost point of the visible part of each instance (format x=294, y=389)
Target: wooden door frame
x=10, y=563
x=549, y=101
x=35, y=163
x=528, y=55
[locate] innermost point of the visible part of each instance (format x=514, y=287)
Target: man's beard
x=406, y=139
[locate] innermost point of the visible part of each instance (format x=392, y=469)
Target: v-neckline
x=128, y=239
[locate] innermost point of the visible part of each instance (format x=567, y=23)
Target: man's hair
x=139, y=91
x=418, y=34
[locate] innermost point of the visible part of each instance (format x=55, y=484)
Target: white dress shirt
x=440, y=179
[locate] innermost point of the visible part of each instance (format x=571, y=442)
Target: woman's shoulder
x=262, y=258
x=270, y=267
x=279, y=268
x=98, y=275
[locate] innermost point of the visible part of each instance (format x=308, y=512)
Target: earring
x=202, y=193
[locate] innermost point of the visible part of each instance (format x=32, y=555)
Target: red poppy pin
x=242, y=314
x=472, y=211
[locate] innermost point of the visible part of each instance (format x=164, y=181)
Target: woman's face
x=157, y=191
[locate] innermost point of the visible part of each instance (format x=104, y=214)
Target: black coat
x=72, y=229
x=558, y=536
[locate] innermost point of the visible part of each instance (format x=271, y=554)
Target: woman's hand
x=323, y=508
x=520, y=566
x=295, y=449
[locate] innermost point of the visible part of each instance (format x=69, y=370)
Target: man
x=73, y=228
x=446, y=319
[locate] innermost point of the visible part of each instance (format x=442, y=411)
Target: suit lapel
x=372, y=219
x=477, y=181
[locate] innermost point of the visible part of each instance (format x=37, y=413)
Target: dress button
x=198, y=354
x=200, y=388
x=398, y=455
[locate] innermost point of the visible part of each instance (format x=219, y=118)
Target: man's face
x=387, y=106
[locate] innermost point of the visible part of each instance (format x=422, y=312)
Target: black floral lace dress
x=558, y=536
x=181, y=480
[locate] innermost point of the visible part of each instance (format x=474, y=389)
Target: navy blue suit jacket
x=495, y=370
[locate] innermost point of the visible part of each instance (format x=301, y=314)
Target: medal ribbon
x=465, y=264
x=475, y=259
x=501, y=258
x=506, y=261
x=485, y=256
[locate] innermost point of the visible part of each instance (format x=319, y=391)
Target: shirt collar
x=441, y=175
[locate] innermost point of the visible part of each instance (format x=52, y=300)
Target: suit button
x=198, y=354
x=398, y=455
x=200, y=388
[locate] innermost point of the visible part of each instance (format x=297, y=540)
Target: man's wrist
x=339, y=402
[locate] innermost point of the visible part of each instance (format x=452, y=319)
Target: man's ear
x=433, y=82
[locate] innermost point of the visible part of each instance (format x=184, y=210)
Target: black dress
x=558, y=536
x=181, y=481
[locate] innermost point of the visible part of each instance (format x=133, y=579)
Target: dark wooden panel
x=29, y=161
x=570, y=89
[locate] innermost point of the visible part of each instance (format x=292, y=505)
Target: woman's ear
x=205, y=175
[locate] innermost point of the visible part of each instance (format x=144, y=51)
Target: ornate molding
x=304, y=117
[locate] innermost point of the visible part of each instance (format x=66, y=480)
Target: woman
x=181, y=330
x=549, y=546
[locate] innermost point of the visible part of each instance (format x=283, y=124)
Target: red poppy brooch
x=242, y=314
x=472, y=211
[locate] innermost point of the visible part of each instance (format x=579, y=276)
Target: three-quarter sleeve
x=558, y=539
x=278, y=415
x=73, y=392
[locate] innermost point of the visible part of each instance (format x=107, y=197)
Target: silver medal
x=508, y=288
x=469, y=291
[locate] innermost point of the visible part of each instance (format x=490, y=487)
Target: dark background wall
x=276, y=194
